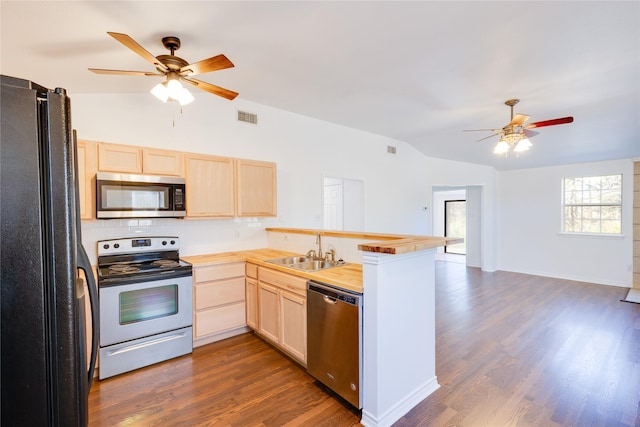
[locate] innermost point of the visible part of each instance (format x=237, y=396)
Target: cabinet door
x=87, y=167
x=293, y=324
x=209, y=186
x=256, y=183
x=268, y=301
x=119, y=158
x=251, y=295
x=162, y=162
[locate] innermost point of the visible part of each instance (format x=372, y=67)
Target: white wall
x=396, y=187
x=530, y=220
x=305, y=149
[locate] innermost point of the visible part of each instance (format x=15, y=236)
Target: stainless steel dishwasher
x=334, y=339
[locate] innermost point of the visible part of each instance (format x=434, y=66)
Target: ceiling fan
x=175, y=69
x=516, y=134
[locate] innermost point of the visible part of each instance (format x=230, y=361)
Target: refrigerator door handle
x=85, y=265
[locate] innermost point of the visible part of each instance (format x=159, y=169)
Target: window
x=593, y=205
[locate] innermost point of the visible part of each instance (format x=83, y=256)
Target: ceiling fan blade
x=208, y=87
x=552, y=122
x=125, y=72
x=134, y=46
x=219, y=62
x=530, y=133
x=481, y=130
x=518, y=120
x=490, y=136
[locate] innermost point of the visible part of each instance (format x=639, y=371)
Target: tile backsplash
x=197, y=236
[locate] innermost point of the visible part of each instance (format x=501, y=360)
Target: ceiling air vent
x=243, y=116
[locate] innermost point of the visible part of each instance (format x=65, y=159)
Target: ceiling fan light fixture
x=501, y=147
x=523, y=145
x=161, y=92
x=174, y=88
x=185, y=97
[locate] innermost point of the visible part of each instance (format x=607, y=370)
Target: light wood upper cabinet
x=209, y=186
x=256, y=186
x=87, y=166
x=129, y=159
x=119, y=158
x=162, y=162
x=216, y=187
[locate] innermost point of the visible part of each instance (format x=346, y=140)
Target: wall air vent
x=243, y=116
x=391, y=149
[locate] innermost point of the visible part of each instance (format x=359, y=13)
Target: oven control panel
x=137, y=245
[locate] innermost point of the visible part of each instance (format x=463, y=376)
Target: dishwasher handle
x=329, y=300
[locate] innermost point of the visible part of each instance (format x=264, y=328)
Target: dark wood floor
x=512, y=350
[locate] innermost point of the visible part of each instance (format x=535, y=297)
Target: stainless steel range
x=146, y=303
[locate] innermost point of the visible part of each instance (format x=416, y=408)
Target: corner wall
x=636, y=225
x=529, y=231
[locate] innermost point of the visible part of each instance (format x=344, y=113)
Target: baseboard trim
x=394, y=413
x=574, y=278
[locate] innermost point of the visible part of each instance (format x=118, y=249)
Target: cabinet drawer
x=219, y=319
x=283, y=280
x=251, y=270
x=218, y=272
x=219, y=293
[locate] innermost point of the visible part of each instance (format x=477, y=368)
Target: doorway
x=455, y=225
x=342, y=204
x=472, y=195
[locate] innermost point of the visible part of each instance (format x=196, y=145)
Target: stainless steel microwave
x=120, y=195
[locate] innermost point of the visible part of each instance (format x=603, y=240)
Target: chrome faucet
x=319, y=243
x=330, y=255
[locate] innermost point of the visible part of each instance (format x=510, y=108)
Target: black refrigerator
x=45, y=372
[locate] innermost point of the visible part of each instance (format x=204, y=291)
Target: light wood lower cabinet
x=219, y=302
x=282, y=311
x=251, y=295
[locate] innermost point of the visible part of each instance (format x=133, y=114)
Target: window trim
x=563, y=206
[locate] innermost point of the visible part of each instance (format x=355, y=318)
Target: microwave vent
x=243, y=116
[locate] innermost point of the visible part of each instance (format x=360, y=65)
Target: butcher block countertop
x=348, y=276
x=393, y=244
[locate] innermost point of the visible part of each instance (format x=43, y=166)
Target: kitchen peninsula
x=397, y=278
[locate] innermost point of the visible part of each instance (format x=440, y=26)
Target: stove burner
x=165, y=263
x=123, y=268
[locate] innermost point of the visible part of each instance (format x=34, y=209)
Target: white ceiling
x=416, y=71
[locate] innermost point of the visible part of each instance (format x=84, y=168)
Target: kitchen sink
x=290, y=260
x=302, y=262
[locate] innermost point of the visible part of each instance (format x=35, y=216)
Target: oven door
x=143, y=309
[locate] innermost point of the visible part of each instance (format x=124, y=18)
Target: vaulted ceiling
x=417, y=71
